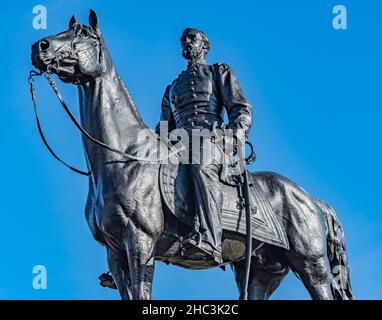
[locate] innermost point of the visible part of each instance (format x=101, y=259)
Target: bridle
x=72, y=53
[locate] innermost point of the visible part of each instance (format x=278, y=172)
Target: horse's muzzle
x=37, y=60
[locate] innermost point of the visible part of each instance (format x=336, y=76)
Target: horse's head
x=75, y=55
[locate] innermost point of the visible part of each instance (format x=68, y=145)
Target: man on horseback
x=124, y=208
x=195, y=101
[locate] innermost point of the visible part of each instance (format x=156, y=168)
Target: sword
x=243, y=186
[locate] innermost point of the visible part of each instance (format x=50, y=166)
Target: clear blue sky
x=317, y=103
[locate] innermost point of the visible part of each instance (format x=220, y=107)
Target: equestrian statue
x=181, y=194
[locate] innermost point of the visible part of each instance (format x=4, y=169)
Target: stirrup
x=196, y=249
x=193, y=240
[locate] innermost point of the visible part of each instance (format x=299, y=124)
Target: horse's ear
x=72, y=21
x=93, y=20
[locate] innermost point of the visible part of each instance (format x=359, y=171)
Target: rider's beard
x=193, y=54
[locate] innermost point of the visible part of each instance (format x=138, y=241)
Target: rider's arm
x=238, y=108
x=166, y=113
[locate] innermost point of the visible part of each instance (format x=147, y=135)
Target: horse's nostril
x=44, y=45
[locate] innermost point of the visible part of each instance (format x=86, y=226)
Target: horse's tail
x=340, y=284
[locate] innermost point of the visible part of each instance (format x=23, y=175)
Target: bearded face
x=194, y=46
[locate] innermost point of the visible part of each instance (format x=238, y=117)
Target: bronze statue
x=132, y=207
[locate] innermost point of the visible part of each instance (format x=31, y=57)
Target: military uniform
x=197, y=99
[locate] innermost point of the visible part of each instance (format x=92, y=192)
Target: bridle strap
x=33, y=94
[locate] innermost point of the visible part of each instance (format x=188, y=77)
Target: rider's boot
x=196, y=249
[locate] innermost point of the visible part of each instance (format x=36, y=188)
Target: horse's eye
x=84, y=33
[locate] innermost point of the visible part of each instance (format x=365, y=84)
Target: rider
x=195, y=101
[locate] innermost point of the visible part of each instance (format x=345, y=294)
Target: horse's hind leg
x=314, y=272
x=262, y=282
x=119, y=269
x=308, y=259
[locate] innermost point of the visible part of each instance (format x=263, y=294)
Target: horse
x=125, y=210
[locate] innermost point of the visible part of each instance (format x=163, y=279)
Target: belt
x=199, y=120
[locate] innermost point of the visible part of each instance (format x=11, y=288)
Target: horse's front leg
x=140, y=246
x=119, y=268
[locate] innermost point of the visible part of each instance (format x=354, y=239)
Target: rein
x=33, y=94
x=79, y=127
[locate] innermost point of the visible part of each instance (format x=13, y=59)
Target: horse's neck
x=109, y=115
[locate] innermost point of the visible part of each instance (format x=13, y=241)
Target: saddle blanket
x=265, y=225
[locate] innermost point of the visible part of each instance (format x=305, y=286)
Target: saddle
x=265, y=225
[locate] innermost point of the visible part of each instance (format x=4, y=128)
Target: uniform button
x=195, y=112
x=193, y=95
x=192, y=89
x=195, y=106
x=192, y=82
